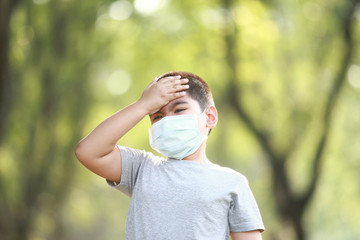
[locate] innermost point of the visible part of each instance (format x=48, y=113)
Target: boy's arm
x=98, y=151
x=252, y=235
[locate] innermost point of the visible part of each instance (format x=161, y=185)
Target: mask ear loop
x=205, y=137
x=204, y=112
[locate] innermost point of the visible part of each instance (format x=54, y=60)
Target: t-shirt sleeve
x=132, y=161
x=244, y=214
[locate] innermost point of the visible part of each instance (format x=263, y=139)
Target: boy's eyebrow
x=174, y=104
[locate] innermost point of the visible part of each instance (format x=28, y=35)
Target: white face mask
x=176, y=136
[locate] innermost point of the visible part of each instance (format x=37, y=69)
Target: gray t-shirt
x=184, y=200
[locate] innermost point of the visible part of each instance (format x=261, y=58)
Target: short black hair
x=198, y=89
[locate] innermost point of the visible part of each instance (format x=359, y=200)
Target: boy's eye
x=157, y=117
x=179, y=110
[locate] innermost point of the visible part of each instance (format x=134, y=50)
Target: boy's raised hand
x=161, y=92
x=98, y=151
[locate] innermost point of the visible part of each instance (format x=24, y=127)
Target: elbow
x=80, y=152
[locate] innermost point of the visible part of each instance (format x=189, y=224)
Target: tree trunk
x=299, y=230
x=6, y=9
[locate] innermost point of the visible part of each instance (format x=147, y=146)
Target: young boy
x=184, y=196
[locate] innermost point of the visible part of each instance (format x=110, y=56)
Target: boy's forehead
x=183, y=100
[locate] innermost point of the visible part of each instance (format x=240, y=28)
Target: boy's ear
x=211, y=116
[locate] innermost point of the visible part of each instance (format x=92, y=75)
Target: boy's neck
x=198, y=156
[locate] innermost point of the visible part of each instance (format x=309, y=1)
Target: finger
x=179, y=81
x=178, y=94
x=179, y=85
x=183, y=80
x=154, y=81
x=179, y=88
x=169, y=79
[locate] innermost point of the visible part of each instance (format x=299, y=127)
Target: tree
x=73, y=63
x=291, y=206
x=6, y=9
x=45, y=120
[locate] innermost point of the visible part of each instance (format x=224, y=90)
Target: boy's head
x=198, y=100
x=198, y=88
x=174, y=132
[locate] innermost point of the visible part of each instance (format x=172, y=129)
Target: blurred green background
x=285, y=75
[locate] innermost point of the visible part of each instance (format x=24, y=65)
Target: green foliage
x=74, y=63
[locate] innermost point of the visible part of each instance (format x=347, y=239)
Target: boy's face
x=181, y=106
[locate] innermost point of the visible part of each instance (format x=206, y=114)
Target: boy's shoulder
x=229, y=172
x=139, y=153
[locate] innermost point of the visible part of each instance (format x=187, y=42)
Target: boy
x=184, y=196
